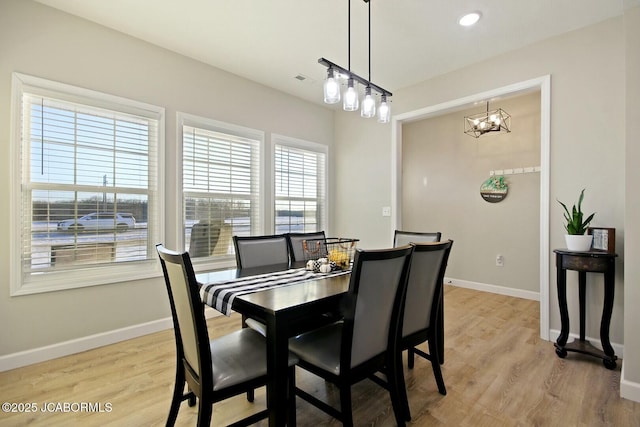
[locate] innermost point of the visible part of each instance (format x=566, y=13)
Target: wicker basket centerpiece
x=331, y=253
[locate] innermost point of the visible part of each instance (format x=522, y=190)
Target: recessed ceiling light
x=469, y=19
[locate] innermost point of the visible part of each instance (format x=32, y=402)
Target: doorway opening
x=541, y=84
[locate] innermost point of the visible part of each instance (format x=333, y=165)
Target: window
x=88, y=196
x=220, y=184
x=300, y=183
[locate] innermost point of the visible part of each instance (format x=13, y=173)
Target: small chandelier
x=351, y=98
x=490, y=121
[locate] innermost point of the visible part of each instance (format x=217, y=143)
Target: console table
x=586, y=262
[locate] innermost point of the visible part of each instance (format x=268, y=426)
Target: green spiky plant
x=575, y=225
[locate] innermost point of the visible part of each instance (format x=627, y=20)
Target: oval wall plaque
x=494, y=189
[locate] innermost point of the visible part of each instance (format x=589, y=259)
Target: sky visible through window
x=80, y=149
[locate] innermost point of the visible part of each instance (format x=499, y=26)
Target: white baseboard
x=494, y=289
x=629, y=389
x=65, y=348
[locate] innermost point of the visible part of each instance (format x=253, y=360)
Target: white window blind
x=89, y=193
x=221, y=187
x=300, y=186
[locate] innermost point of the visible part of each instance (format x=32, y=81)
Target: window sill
x=52, y=281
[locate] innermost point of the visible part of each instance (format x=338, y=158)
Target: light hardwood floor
x=497, y=370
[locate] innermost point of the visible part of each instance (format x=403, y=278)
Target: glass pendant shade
x=351, y=102
x=331, y=89
x=384, y=112
x=368, y=105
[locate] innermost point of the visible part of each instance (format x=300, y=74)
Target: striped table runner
x=220, y=295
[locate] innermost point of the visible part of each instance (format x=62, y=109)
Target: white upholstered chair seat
x=257, y=326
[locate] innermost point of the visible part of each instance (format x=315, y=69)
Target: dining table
x=288, y=299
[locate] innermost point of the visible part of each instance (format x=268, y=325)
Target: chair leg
x=435, y=363
x=345, y=405
x=439, y=330
x=291, y=391
x=191, y=400
x=176, y=400
x=205, y=409
x=398, y=391
x=251, y=395
x=411, y=356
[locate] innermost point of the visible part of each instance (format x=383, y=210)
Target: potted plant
x=576, y=227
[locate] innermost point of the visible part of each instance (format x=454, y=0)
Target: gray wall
x=38, y=40
x=632, y=199
x=442, y=171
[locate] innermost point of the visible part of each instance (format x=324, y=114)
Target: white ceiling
x=273, y=41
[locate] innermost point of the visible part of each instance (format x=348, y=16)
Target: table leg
x=607, y=309
x=277, y=364
x=582, y=290
x=561, y=279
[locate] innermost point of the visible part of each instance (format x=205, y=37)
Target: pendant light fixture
x=331, y=88
x=368, y=109
x=479, y=124
x=384, y=112
x=350, y=97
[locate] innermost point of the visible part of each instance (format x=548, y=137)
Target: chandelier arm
x=356, y=77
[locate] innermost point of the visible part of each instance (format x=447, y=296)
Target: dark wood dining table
x=287, y=311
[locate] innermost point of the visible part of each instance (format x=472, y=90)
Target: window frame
x=186, y=119
x=38, y=282
x=277, y=139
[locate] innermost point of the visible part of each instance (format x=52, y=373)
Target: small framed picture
x=604, y=239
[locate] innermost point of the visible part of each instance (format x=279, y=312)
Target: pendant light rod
x=349, y=36
x=369, y=4
x=356, y=77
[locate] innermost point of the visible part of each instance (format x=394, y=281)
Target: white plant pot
x=578, y=243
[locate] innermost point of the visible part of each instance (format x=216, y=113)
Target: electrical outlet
x=386, y=211
x=499, y=261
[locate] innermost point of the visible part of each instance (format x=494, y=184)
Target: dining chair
x=204, y=237
x=258, y=251
x=317, y=248
x=296, y=245
x=223, y=244
x=422, y=304
x=217, y=369
x=401, y=238
x=366, y=340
